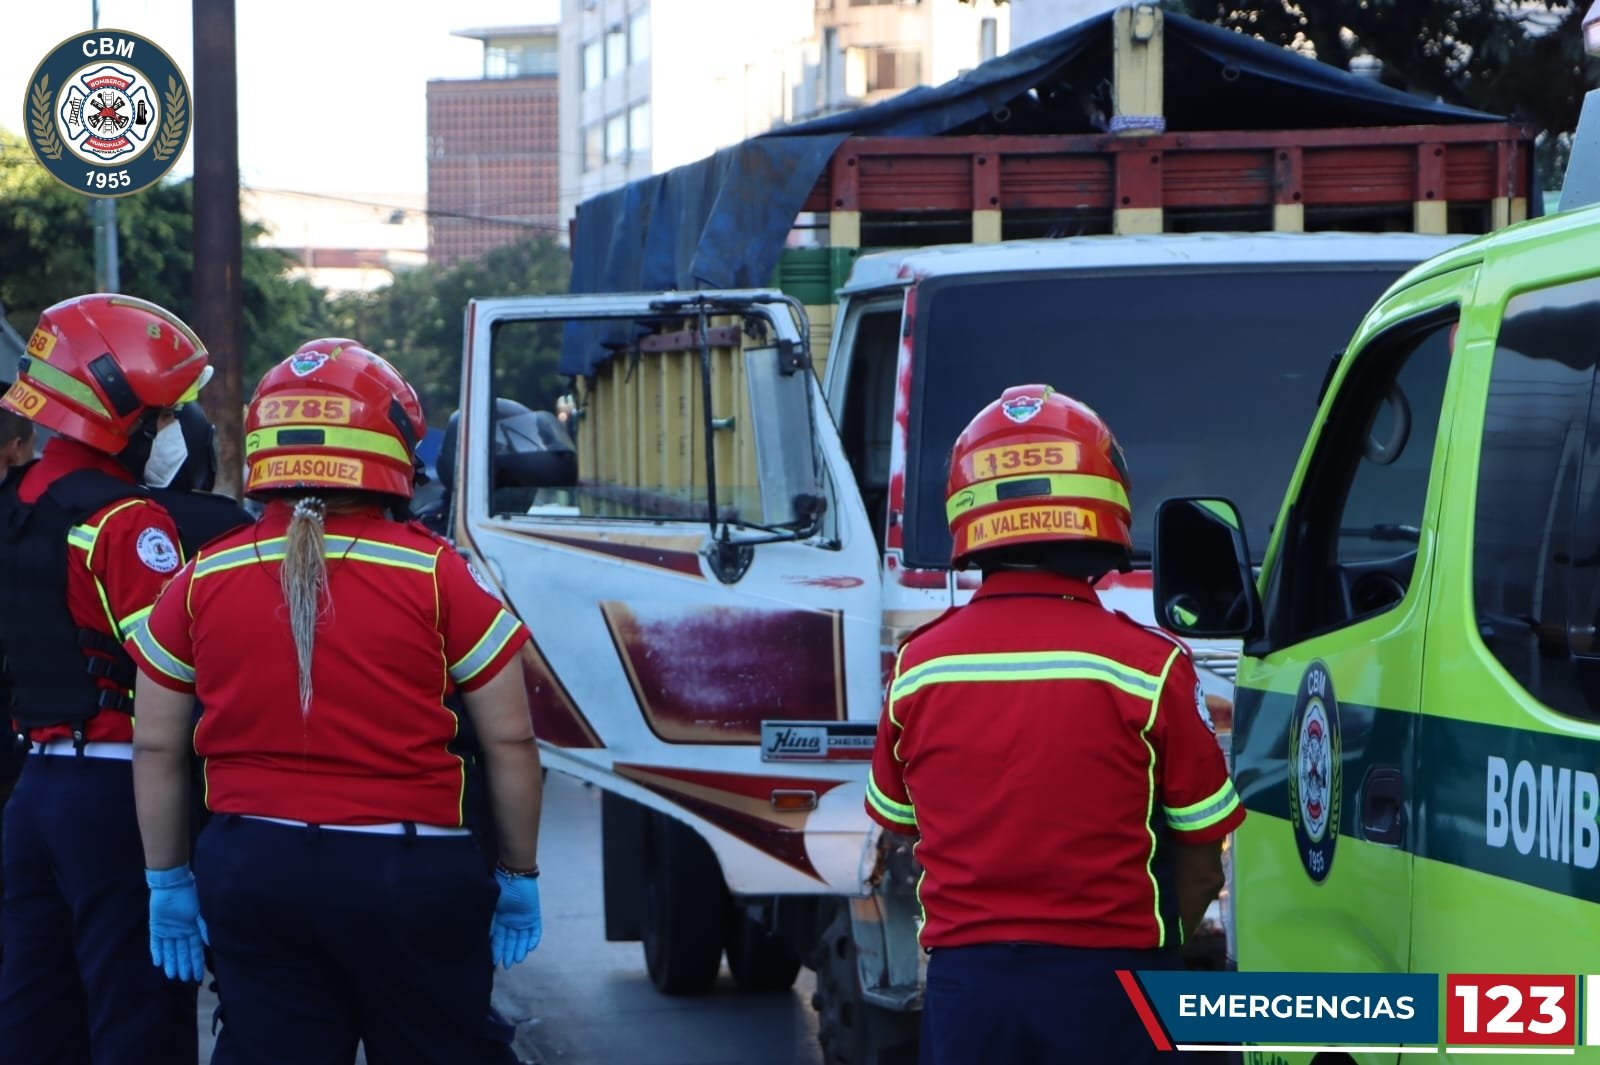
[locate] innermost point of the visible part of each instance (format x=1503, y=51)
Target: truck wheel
x=684, y=910
x=851, y=1030
x=759, y=960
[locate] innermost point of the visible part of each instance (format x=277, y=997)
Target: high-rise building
x=494, y=146
x=1032, y=19
x=864, y=51
x=650, y=84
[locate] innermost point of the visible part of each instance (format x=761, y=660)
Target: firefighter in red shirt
x=1054, y=758
x=343, y=899
x=83, y=553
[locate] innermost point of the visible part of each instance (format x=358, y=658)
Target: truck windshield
x=1209, y=382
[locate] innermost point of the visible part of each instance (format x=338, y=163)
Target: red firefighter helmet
x=1035, y=466
x=96, y=364
x=333, y=416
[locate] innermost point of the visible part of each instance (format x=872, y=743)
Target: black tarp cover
x=722, y=222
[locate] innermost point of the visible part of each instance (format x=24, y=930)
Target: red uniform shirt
x=1049, y=753
x=408, y=620
x=118, y=560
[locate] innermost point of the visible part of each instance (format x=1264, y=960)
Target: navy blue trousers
x=322, y=939
x=1032, y=1004
x=76, y=981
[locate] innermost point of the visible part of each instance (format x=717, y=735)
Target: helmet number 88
x=101, y=179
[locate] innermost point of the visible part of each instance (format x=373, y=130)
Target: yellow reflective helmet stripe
x=1024, y=666
x=364, y=441
x=1205, y=813
x=1041, y=486
x=484, y=651
x=898, y=812
x=193, y=392
x=63, y=383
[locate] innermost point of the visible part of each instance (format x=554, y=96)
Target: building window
x=869, y=70
x=519, y=58
x=593, y=148
x=988, y=39
x=616, y=137
x=616, y=52
x=593, y=65
x=639, y=37
x=639, y=128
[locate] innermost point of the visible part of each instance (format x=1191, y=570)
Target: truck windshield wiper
x=1386, y=532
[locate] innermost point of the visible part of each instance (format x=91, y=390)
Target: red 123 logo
x=1511, y=1009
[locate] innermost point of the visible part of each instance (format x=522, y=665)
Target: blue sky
x=331, y=92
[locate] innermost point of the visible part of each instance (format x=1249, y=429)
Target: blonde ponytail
x=305, y=585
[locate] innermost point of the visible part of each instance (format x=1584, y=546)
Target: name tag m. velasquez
x=321, y=469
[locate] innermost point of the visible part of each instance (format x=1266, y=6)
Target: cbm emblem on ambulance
x=1315, y=773
x=107, y=113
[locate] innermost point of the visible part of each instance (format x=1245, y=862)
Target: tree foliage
x=1520, y=58
x=47, y=252
x=418, y=324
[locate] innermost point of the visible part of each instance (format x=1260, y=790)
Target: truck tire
x=685, y=906
x=851, y=1030
x=759, y=960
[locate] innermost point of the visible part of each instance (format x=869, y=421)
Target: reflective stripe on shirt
x=484, y=651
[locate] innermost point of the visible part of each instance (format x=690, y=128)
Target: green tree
x=417, y=323
x=1509, y=57
x=47, y=255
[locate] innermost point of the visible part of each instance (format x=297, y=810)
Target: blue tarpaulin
x=722, y=222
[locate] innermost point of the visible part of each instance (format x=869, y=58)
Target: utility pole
x=103, y=210
x=218, y=255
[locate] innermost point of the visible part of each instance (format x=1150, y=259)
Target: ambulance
x=1416, y=729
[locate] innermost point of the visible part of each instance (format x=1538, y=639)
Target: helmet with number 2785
x=333, y=416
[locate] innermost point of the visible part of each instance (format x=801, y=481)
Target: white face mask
x=167, y=453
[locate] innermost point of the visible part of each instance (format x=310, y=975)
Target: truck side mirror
x=1203, y=583
x=791, y=496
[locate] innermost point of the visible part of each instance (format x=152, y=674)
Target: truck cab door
x=707, y=669
x=1326, y=719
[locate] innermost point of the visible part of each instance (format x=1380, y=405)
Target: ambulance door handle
x=1383, y=806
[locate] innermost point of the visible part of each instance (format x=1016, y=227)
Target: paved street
x=579, y=1000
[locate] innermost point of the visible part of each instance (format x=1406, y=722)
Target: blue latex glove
x=175, y=925
x=517, y=926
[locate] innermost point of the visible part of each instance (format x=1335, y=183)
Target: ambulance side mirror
x=1203, y=583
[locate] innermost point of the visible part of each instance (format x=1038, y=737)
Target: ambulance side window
x=1355, y=524
x=1536, y=542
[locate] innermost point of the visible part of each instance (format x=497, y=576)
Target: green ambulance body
x=1417, y=725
